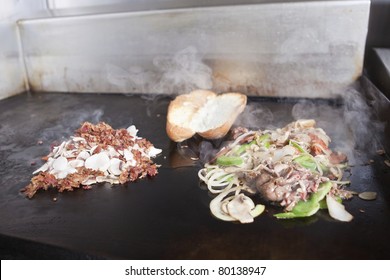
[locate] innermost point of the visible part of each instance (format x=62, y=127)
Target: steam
x=255, y=116
x=25, y=138
x=349, y=121
x=117, y=76
x=352, y=125
x=172, y=74
x=183, y=72
x=361, y=119
x=304, y=109
x=135, y=79
x=69, y=121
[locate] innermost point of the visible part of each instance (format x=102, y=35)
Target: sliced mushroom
x=93, y=149
x=152, y=151
x=115, y=164
x=100, y=179
x=89, y=181
x=99, y=161
x=216, y=206
x=78, y=139
x=83, y=155
x=76, y=163
x=61, y=174
x=132, y=130
x=240, y=208
x=128, y=154
x=69, y=153
x=60, y=163
x=129, y=157
x=43, y=168
x=112, y=152
x=108, y=179
x=57, y=151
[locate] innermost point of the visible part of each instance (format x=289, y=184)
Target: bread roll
x=203, y=112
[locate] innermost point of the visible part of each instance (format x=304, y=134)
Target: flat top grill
x=166, y=217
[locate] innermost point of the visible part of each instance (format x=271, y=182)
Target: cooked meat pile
x=96, y=153
x=295, y=161
x=285, y=166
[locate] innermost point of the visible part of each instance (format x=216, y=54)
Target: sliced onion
x=337, y=210
x=281, y=153
x=305, y=123
x=242, y=136
x=257, y=211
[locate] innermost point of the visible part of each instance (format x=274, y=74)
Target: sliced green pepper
x=323, y=204
x=244, y=147
x=229, y=160
x=264, y=140
x=324, y=168
x=309, y=207
x=296, y=145
x=306, y=161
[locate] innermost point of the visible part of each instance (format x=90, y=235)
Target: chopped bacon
x=152, y=170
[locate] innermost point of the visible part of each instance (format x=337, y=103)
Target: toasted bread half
x=203, y=112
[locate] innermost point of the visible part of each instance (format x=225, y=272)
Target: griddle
x=168, y=216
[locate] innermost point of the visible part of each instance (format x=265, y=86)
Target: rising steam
x=172, y=74
x=350, y=122
x=183, y=72
x=69, y=121
x=352, y=125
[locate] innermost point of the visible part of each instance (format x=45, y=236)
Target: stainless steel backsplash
x=300, y=49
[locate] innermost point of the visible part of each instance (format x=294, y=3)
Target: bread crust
x=180, y=132
x=222, y=130
x=177, y=133
x=184, y=107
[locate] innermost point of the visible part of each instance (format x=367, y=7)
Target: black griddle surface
x=166, y=217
